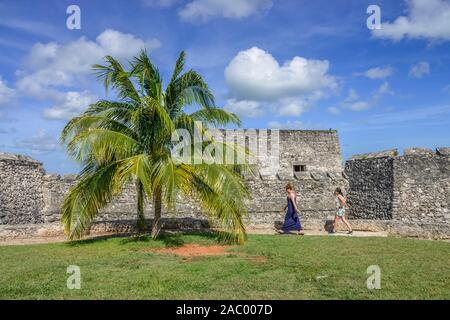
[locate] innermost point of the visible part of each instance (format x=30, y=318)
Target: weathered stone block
x=302, y=175
x=417, y=151
x=319, y=175
x=337, y=176
x=387, y=153
x=268, y=177
x=285, y=176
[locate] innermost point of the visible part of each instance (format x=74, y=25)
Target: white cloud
x=295, y=124
x=378, y=73
x=294, y=107
x=334, y=110
x=54, y=65
x=6, y=93
x=419, y=70
x=124, y=45
x=358, y=106
x=51, y=67
x=426, y=19
x=30, y=26
x=434, y=115
x=254, y=74
x=352, y=95
x=289, y=89
x=204, y=10
x=284, y=107
x=383, y=90
x=353, y=102
x=69, y=105
x=40, y=143
x=251, y=109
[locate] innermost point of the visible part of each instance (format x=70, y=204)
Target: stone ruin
x=406, y=195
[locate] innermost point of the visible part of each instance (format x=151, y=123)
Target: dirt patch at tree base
x=195, y=250
x=190, y=251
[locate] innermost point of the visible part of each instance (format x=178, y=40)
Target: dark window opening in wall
x=299, y=168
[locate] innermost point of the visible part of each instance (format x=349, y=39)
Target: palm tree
x=129, y=140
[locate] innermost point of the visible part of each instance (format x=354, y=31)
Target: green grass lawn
x=266, y=267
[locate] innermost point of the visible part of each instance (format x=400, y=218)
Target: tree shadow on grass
x=96, y=239
x=168, y=238
x=171, y=239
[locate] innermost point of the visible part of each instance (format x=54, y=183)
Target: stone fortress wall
x=405, y=194
x=30, y=199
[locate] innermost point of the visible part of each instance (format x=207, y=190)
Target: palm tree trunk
x=140, y=206
x=157, y=207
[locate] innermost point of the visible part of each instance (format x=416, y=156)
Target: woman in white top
x=341, y=203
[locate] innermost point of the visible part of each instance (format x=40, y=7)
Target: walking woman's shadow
x=328, y=226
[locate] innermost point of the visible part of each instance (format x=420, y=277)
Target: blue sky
x=277, y=63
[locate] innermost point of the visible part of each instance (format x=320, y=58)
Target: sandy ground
x=325, y=233
x=55, y=239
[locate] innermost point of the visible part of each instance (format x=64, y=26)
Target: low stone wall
x=406, y=195
x=21, y=199
x=31, y=206
x=422, y=187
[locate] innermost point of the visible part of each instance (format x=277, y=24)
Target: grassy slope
x=123, y=268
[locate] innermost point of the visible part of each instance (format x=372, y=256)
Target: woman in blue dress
x=291, y=220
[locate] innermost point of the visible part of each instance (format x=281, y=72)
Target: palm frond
x=222, y=206
x=179, y=65
x=215, y=116
x=85, y=122
x=188, y=89
x=83, y=201
x=147, y=75
x=103, y=145
x=156, y=118
x=170, y=178
x=113, y=75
